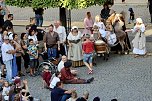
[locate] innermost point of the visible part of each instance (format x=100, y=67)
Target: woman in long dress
x=75, y=47
x=88, y=24
x=139, y=42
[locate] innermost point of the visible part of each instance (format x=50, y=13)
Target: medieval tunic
x=75, y=51
x=139, y=41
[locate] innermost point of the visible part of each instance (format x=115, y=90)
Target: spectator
x=55, y=79
x=150, y=8
x=46, y=75
x=51, y=43
x=68, y=78
x=73, y=96
x=88, y=24
x=33, y=25
x=6, y=90
x=7, y=56
x=62, y=36
x=105, y=12
x=10, y=32
x=84, y=97
x=96, y=99
x=3, y=11
x=61, y=65
x=60, y=94
x=39, y=16
x=8, y=22
x=18, y=54
x=24, y=45
x=1, y=61
x=33, y=53
x=88, y=49
x=132, y=16
x=32, y=35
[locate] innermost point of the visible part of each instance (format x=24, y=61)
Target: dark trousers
x=75, y=81
x=18, y=62
x=62, y=50
x=1, y=20
x=65, y=97
x=26, y=60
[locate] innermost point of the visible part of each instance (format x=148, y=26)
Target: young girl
x=73, y=96
x=96, y=33
x=6, y=90
x=88, y=49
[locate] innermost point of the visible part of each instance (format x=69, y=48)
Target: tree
x=68, y=4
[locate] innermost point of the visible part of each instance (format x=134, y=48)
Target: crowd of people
x=25, y=48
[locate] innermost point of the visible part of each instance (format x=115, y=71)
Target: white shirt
x=10, y=35
x=54, y=81
x=5, y=91
x=60, y=65
x=6, y=47
x=1, y=40
x=61, y=32
x=34, y=37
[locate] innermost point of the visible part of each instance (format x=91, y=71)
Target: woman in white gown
x=139, y=42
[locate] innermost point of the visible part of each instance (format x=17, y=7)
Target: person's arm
x=64, y=35
x=58, y=42
x=26, y=85
x=44, y=40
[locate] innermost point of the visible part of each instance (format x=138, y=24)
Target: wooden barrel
x=100, y=46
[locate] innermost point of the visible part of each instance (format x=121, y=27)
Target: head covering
x=139, y=20
x=67, y=64
x=46, y=67
x=96, y=99
x=75, y=27
x=87, y=36
x=16, y=81
x=6, y=37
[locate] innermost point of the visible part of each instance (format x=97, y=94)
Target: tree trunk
x=63, y=17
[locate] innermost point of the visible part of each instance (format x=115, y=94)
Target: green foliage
x=70, y=4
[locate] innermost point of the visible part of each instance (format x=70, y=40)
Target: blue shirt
x=57, y=93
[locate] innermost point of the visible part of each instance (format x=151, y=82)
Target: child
x=55, y=79
x=88, y=49
x=96, y=33
x=33, y=53
x=6, y=90
x=132, y=16
x=73, y=96
x=46, y=76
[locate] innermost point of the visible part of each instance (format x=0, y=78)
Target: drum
x=100, y=46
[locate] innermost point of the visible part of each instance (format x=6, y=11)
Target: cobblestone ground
x=122, y=76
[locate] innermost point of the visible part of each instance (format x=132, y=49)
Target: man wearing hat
x=7, y=56
x=68, y=78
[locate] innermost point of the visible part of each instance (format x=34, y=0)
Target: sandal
x=90, y=71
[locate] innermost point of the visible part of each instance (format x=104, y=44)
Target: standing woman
x=19, y=53
x=88, y=24
x=24, y=44
x=139, y=42
x=75, y=47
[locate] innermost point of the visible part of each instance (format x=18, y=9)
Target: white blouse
x=72, y=37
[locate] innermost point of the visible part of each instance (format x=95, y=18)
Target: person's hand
x=36, y=57
x=45, y=49
x=25, y=81
x=58, y=48
x=75, y=78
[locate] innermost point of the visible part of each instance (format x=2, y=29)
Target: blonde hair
x=97, y=18
x=74, y=94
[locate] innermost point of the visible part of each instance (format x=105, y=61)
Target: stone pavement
x=122, y=76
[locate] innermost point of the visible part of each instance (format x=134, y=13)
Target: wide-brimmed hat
x=139, y=20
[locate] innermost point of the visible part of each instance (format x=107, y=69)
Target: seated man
x=68, y=78
x=61, y=65
x=60, y=94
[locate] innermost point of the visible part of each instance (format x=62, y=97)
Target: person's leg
x=85, y=60
x=26, y=61
x=65, y=97
x=37, y=20
x=2, y=66
x=62, y=50
x=1, y=20
x=54, y=52
x=8, y=65
x=18, y=62
x=40, y=21
x=49, y=53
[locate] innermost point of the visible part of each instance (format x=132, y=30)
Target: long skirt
x=75, y=54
